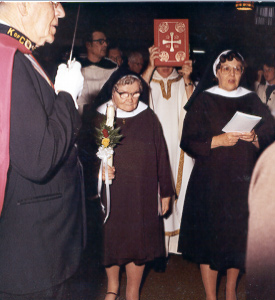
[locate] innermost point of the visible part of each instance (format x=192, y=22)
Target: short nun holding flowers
x=133, y=233
x=215, y=215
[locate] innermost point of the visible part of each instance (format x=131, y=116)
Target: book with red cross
x=172, y=38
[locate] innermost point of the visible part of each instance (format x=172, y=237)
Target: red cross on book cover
x=172, y=38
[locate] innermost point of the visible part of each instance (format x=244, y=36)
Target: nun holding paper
x=215, y=216
x=133, y=232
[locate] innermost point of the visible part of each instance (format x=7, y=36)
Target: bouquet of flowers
x=107, y=138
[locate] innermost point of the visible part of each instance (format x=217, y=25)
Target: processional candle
x=110, y=114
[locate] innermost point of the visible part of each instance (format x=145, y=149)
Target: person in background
x=41, y=189
x=115, y=54
x=169, y=94
x=135, y=62
x=266, y=91
x=260, y=263
x=215, y=215
x=96, y=69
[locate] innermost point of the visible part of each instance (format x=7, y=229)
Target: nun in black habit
x=133, y=233
x=215, y=215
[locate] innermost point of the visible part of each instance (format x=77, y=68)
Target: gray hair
x=127, y=80
x=134, y=55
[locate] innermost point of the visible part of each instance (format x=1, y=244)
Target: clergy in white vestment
x=96, y=68
x=170, y=92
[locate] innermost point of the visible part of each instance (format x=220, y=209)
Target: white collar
x=121, y=113
x=173, y=75
x=239, y=92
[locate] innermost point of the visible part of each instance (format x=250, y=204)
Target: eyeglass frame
x=269, y=69
x=101, y=41
x=220, y=67
x=129, y=94
x=138, y=63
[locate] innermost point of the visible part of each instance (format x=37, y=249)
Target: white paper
x=241, y=122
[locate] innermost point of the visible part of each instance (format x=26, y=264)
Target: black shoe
x=160, y=264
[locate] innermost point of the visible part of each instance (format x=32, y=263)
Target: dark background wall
x=212, y=26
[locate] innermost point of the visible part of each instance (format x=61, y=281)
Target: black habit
x=134, y=230
x=41, y=226
x=215, y=215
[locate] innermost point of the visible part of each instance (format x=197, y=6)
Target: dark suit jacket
x=41, y=226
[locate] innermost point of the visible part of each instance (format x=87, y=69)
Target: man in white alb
x=96, y=68
x=170, y=91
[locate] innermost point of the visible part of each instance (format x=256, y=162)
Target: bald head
x=36, y=20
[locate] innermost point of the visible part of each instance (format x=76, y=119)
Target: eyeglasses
x=225, y=70
x=268, y=70
x=125, y=95
x=101, y=41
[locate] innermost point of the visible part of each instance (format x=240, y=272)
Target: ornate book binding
x=172, y=38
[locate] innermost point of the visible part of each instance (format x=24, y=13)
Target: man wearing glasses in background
x=96, y=69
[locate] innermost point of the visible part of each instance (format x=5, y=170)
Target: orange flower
x=105, y=142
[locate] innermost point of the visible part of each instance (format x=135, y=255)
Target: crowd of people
x=180, y=184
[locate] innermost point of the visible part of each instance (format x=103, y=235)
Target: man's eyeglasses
x=125, y=95
x=101, y=41
x=268, y=70
x=225, y=70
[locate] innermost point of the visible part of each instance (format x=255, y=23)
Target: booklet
x=241, y=122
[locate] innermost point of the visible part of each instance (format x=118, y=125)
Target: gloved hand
x=69, y=79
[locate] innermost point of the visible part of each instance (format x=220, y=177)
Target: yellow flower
x=105, y=142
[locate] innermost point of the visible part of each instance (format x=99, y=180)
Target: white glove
x=69, y=79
